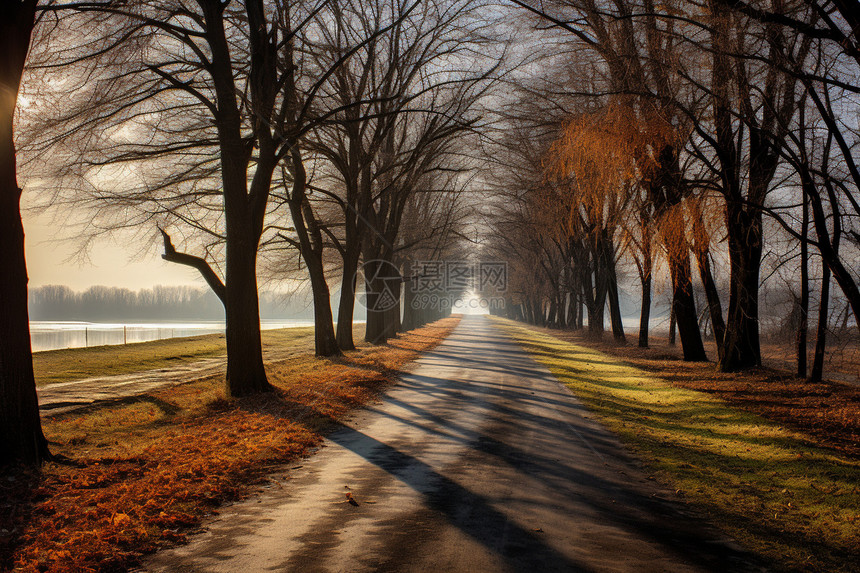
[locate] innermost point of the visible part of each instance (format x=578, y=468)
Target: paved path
x=478, y=461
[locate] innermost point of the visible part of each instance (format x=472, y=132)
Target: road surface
x=477, y=461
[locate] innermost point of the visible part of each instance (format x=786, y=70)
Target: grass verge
x=148, y=469
x=826, y=413
x=768, y=486
x=77, y=363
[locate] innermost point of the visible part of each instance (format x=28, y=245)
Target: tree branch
x=172, y=256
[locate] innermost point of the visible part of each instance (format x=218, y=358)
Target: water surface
x=54, y=335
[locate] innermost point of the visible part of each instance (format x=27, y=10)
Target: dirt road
x=478, y=461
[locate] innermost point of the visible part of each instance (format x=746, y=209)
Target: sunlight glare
x=471, y=303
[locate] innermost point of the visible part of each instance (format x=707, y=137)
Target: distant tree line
x=102, y=303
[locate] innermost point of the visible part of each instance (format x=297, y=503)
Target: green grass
x=796, y=505
x=77, y=363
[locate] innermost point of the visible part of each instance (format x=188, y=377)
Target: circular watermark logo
x=377, y=284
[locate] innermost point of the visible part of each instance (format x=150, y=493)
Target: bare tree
x=199, y=104
x=395, y=102
x=21, y=437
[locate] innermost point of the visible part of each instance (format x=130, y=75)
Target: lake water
x=54, y=335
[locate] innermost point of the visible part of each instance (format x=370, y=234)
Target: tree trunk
x=21, y=437
x=381, y=299
x=325, y=341
x=803, y=327
x=646, y=270
x=683, y=302
x=673, y=325
x=346, y=307
x=612, y=293
x=702, y=252
x=715, y=307
x=830, y=255
x=821, y=332
x=393, y=317
x=645, y=312
x=537, y=309
x=553, y=312
x=599, y=317
x=411, y=312
x=595, y=302
x=685, y=310
x=569, y=310
x=245, y=372
x=580, y=311
x=741, y=346
x=588, y=302
x=828, y=248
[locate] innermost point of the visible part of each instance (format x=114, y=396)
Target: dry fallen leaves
x=104, y=512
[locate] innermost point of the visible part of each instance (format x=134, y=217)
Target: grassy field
x=768, y=486
x=76, y=363
x=141, y=472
